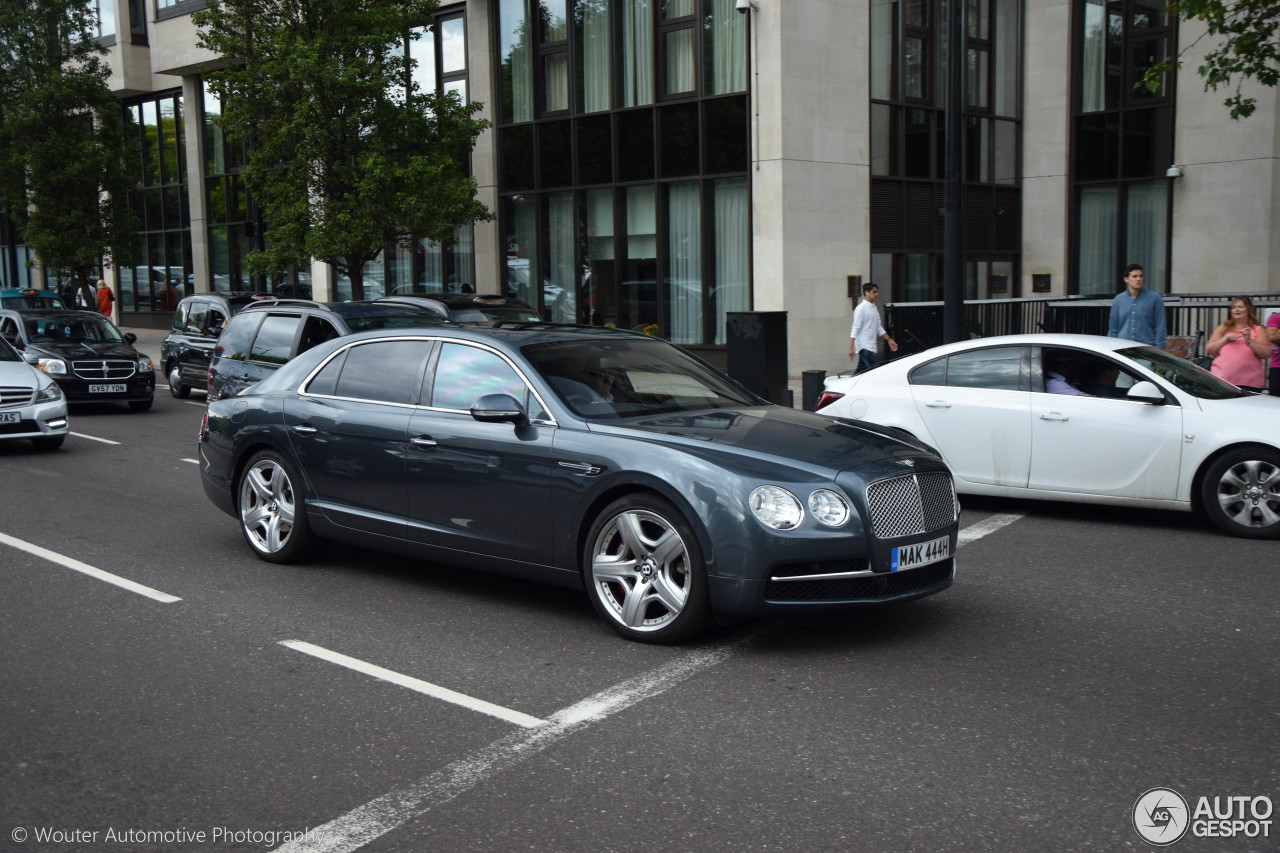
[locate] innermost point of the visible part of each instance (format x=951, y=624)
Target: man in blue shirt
x=1137, y=314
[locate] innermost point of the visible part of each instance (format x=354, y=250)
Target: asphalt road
x=1084, y=656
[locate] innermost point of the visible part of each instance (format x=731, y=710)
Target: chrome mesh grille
x=916, y=503
x=12, y=397
x=104, y=368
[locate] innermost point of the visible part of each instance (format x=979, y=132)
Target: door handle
x=1053, y=416
x=304, y=429
x=423, y=441
x=939, y=404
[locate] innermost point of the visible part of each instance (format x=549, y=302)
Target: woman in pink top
x=1239, y=345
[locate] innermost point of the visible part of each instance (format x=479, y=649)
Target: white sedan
x=31, y=404
x=1082, y=418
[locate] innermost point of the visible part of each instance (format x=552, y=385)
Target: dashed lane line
x=85, y=568
x=93, y=438
x=986, y=527
x=433, y=690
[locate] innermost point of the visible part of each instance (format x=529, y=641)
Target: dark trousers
x=866, y=360
x=1273, y=381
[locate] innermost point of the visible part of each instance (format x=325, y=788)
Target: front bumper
x=140, y=386
x=37, y=421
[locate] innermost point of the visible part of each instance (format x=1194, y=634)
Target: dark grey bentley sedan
x=592, y=458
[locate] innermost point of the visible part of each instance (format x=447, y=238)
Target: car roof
x=234, y=297
x=1047, y=339
x=28, y=291
x=368, y=308
x=513, y=335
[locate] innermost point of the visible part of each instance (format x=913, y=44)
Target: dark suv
x=197, y=322
x=267, y=334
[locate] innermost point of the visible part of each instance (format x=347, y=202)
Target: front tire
x=272, y=516
x=644, y=571
x=1241, y=493
x=176, y=388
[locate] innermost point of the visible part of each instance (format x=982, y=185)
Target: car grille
x=12, y=397
x=100, y=369
x=916, y=503
x=867, y=588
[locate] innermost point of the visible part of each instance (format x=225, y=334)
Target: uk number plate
x=920, y=554
x=107, y=389
x=9, y=418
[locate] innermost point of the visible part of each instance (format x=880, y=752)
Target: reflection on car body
x=685, y=499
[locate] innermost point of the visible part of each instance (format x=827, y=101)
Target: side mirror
x=31, y=358
x=1146, y=392
x=130, y=338
x=499, y=408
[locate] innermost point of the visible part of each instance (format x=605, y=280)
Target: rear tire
x=644, y=571
x=272, y=516
x=1241, y=493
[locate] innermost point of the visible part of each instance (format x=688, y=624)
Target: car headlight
x=52, y=366
x=49, y=393
x=776, y=507
x=144, y=365
x=828, y=507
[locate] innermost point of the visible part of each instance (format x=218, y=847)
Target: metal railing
x=918, y=325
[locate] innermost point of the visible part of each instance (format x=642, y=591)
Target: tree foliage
x=1247, y=33
x=64, y=156
x=347, y=155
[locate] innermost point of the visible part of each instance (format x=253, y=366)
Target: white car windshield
x=1184, y=375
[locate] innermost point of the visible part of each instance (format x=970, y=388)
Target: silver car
x=31, y=404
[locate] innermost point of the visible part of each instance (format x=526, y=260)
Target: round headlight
x=52, y=365
x=828, y=507
x=776, y=507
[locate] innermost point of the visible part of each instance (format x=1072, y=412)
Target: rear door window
x=387, y=371
x=998, y=368
x=274, y=341
x=234, y=342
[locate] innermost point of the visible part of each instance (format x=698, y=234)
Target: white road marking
x=192, y=461
x=425, y=687
x=84, y=568
x=195, y=403
x=986, y=526
x=92, y=438
x=374, y=819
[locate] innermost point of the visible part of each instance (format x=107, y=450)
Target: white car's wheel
x=1241, y=493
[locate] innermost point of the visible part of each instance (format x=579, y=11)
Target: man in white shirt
x=866, y=328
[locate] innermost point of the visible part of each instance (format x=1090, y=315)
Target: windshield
x=1183, y=374
x=629, y=378
x=71, y=327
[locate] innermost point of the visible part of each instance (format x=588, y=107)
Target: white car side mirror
x=1146, y=392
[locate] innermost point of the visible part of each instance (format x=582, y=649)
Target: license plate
x=107, y=389
x=9, y=418
x=920, y=554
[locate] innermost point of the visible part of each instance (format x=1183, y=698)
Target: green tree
x=1247, y=33
x=346, y=154
x=64, y=173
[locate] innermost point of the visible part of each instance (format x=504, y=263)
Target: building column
x=1046, y=144
x=811, y=170
x=197, y=196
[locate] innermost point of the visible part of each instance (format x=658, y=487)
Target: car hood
x=786, y=436
x=84, y=349
x=18, y=374
x=1262, y=406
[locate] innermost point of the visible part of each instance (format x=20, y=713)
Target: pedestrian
x=1137, y=314
x=866, y=328
x=1239, y=346
x=105, y=298
x=1273, y=332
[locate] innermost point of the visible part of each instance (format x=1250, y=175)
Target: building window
x=105, y=28
x=160, y=200
x=625, y=195
x=1122, y=137
x=907, y=132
